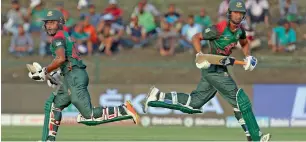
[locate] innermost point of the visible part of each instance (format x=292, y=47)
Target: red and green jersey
x=222, y=39
x=63, y=40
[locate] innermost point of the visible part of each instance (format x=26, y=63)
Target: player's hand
x=251, y=63
x=56, y=76
x=39, y=74
x=204, y=65
x=199, y=54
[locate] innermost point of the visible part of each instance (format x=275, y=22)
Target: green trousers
x=214, y=79
x=74, y=91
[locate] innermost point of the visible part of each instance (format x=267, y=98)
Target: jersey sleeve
x=58, y=43
x=58, y=40
x=210, y=33
x=243, y=34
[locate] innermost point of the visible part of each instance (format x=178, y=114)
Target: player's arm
x=59, y=45
x=210, y=33
x=196, y=42
x=250, y=61
x=244, y=44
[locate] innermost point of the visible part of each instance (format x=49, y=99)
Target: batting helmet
x=237, y=6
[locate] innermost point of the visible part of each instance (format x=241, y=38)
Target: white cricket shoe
x=152, y=96
x=265, y=137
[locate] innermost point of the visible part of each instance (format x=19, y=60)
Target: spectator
x=16, y=16
x=37, y=12
x=289, y=11
x=254, y=42
x=167, y=40
x=287, y=7
x=147, y=7
x=111, y=36
x=82, y=39
x=60, y=7
x=82, y=4
x=223, y=10
x=44, y=46
x=22, y=43
x=188, y=31
x=136, y=34
x=283, y=38
x=94, y=16
x=203, y=19
x=115, y=11
x=173, y=18
x=70, y=22
x=146, y=19
x=257, y=11
x=108, y=40
x=91, y=31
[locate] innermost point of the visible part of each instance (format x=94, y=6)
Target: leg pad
x=94, y=122
x=245, y=107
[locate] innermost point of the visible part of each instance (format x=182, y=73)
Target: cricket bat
x=218, y=60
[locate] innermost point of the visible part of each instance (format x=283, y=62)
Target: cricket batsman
x=73, y=89
x=222, y=37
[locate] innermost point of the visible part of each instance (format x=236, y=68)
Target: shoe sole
x=135, y=116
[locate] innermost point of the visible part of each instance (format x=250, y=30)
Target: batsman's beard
x=236, y=21
x=51, y=32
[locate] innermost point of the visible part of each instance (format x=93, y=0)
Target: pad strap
x=106, y=115
x=162, y=96
x=55, y=120
x=174, y=97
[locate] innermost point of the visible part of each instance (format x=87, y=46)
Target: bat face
x=213, y=59
x=218, y=60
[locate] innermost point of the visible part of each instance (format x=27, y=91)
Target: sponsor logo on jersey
x=58, y=43
x=227, y=49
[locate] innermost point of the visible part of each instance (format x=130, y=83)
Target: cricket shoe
x=151, y=96
x=265, y=137
x=130, y=110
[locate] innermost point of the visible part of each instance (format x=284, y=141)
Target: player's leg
x=89, y=115
x=53, y=112
x=228, y=90
x=187, y=103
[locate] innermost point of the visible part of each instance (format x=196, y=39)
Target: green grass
x=128, y=133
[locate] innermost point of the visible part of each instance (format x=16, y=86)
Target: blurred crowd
x=106, y=32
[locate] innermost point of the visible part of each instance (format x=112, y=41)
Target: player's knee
x=232, y=97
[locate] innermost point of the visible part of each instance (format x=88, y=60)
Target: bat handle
x=53, y=79
x=237, y=62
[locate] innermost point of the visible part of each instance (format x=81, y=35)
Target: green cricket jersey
x=63, y=40
x=222, y=39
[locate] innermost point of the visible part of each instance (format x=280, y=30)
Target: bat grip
x=237, y=62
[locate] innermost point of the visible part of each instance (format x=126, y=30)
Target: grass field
x=128, y=133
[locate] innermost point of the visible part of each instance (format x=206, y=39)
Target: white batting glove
x=40, y=74
x=56, y=76
x=204, y=65
x=251, y=63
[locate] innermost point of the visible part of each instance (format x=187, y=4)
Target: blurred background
x=127, y=51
